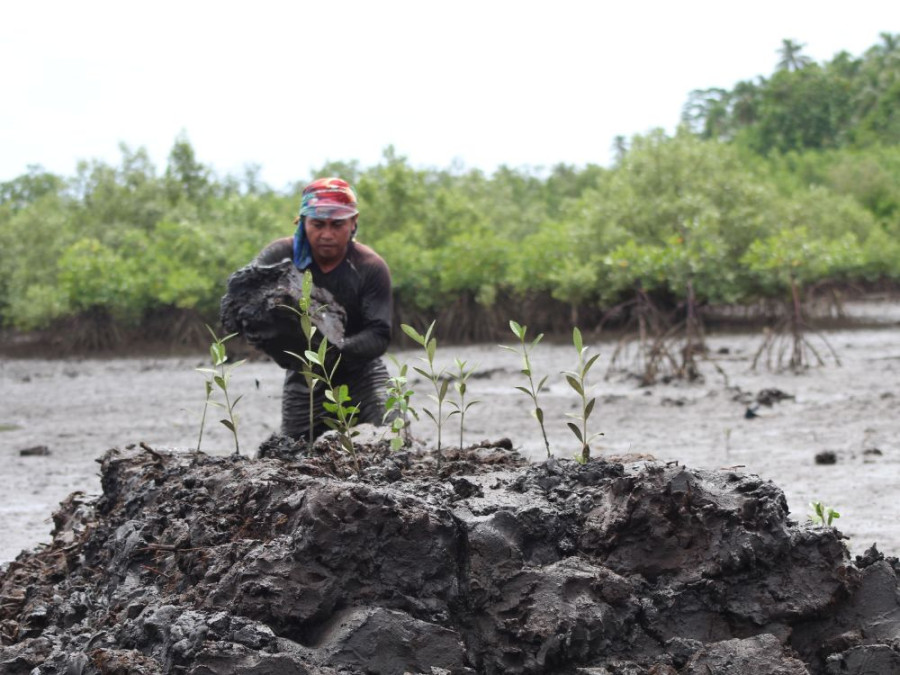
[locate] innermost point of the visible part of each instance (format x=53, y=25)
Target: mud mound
x=198, y=564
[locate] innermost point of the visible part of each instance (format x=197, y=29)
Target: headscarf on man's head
x=323, y=198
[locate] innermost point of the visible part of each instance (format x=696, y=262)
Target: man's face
x=328, y=237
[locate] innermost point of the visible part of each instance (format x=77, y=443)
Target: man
x=360, y=282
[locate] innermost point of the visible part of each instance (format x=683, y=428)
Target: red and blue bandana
x=331, y=198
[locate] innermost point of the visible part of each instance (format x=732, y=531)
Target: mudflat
x=829, y=434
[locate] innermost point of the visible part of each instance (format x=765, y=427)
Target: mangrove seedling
x=460, y=405
x=307, y=314
x=577, y=379
x=397, y=406
x=531, y=391
x=219, y=376
x=338, y=401
x=437, y=379
x=822, y=515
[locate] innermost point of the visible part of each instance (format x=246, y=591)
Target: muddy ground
x=77, y=409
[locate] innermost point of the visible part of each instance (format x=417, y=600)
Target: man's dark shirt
x=361, y=284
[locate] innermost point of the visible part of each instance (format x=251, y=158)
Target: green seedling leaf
x=413, y=333
x=217, y=352
x=575, y=384
x=428, y=332
x=576, y=431
x=589, y=408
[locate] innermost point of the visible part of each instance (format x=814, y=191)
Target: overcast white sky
x=290, y=85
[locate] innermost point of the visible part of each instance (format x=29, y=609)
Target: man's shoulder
x=276, y=251
x=366, y=256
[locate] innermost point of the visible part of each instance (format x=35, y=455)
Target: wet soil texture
x=292, y=563
x=262, y=304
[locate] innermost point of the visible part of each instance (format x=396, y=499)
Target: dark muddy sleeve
x=376, y=305
x=277, y=251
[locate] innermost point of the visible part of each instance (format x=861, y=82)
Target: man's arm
x=376, y=303
x=275, y=252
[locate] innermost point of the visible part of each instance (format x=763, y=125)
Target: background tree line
x=787, y=180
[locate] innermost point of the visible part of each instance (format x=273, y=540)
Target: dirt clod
x=826, y=457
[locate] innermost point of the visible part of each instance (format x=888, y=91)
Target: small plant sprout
x=397, y=406
x=307, y=314
x=338, y=401
x=461, y=406
x=341, y=406
x=822, y=515
x=437, y=379
x=219, y=376
x=577, y=379
x=531, y=391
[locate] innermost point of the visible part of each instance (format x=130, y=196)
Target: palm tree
x=791, y=58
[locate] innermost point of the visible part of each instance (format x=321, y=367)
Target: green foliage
x=804, y=105
x=398, y=408
x=822, y=515
x=338, y=400
x=317, y=368
x=532, y=391
x=461, y=405
x=307, y=314
x=344, y=413
x=439, y=382
x=577, y=380
x=792, y=255
x=814, y=148
x=218, y=377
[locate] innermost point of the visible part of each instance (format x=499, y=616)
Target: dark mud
x=261, y=304
x=292, y=563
